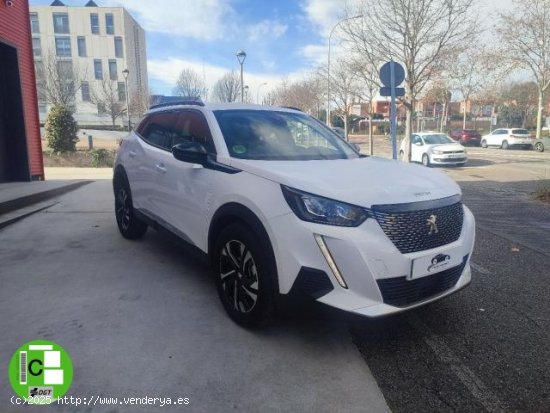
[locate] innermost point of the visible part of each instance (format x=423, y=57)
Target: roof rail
x=176, y=103
x=293, y=108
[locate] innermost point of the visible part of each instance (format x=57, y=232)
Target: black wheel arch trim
x=234, y=212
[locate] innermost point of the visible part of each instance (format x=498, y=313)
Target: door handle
x=132, y=154
x=161, y=167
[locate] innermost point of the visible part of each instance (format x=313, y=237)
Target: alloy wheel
x=239, y=276
x=122, y=208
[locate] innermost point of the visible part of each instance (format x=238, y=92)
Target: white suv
x=281, y=206
x=508, y=138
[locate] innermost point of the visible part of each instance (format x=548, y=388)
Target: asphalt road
x=486, y=348
x=143, y=319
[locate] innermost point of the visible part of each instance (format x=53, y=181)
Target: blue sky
x=282, y=39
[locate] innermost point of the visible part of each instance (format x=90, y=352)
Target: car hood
x=362, y=181
x=447, y=147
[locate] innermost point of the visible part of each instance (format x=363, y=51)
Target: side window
x=159, y=129
x=193, y=127
x=417, y=139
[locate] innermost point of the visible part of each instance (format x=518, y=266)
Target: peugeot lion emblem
x=432, y=223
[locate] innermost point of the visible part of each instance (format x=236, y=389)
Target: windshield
x=271, y=135
x=437, y=139
x=520, y=132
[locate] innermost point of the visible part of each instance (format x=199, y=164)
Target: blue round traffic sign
x=398, y=74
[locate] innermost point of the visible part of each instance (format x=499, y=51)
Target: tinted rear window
x=520, y=132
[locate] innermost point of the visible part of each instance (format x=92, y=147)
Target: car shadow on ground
x=472, y=163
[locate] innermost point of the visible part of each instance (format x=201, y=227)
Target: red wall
x=15, y=31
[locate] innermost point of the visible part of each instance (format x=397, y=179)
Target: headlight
x=314, y=208
x=436, y=152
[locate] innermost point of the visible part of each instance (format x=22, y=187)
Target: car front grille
x=411, y=226
x=450, y=160
x=400, y=291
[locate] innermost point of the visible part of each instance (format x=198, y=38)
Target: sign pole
x=393, y=112
x=392, y=75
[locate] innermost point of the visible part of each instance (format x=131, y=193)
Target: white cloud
x=324, y=14
x=203, y=19
x=271, y=28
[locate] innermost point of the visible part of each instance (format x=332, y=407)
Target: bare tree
x=518, y=102
x=420, y=34
x=140, y=102
x=345, y=88
x=305, y=94
x=468, y=72
x=189, y=85
x=368, y=76
x=438, y=94
x=109, y=99
x=270, y=98
x=228, y=88
x=57, y=80
x=525, y=32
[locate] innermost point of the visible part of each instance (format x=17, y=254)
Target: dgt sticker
x=40, y=371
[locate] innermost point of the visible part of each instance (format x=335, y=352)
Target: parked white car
x=434, y=148
x=507, y=138
x=279, y=205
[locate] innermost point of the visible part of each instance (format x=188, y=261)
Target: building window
x=61, y=23
x=36, y=48
x=81, y=43
x=35, y=27
x=63, y=46
x=42, y=108
x=121, y=91
x=101, y=108
x=112, y=70
x=119, y=49
x=85, y=88
x=98, y=69
x=94, y=23
x=109, y=23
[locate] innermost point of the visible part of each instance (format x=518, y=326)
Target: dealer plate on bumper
x=434, y=263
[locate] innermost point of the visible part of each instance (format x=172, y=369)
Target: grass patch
x=96, y=158
x=542, y=193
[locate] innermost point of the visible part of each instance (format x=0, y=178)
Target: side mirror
x=418, y=143
x=192, y=152
x=356, y=147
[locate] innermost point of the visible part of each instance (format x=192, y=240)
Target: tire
x=539, y=147
x=129, y=225
x=484, y=144
x=505, y=145
x=461, y=164
x=244, y=277
x=425, y=160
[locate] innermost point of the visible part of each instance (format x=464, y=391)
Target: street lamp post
x=241, y=55
x=258, y=92
x=328, y=62
x=125, y=72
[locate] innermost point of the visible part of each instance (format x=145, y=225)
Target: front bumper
x=447, y=160
x=365, y=258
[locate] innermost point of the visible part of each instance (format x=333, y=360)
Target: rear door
x=495, y=138
x=150, y=154
x=185, y=188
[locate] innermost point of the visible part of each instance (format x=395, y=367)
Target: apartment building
x=96, y=50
